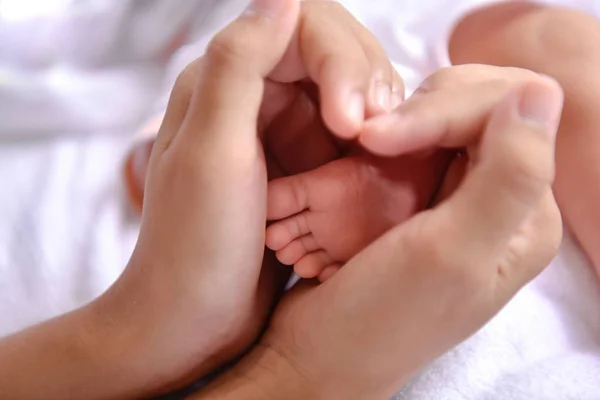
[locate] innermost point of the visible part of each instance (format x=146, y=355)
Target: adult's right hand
x=435, y=280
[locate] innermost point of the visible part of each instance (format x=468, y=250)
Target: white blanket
x=545, y=345
x=66, y=232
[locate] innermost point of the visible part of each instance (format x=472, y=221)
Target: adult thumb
x=229, y=88
x=513, y=171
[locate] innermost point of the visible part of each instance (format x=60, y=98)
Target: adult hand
x=433, y=281
x=334, y=75
x=329, y=53
x=188, y=299
x=202, y=289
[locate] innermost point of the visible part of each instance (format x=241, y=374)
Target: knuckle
x=186, y=80
x=529, y=165
x=179, y=167
x=226, y=49
x=525, y=179
x=435, y=80
x=322, y=6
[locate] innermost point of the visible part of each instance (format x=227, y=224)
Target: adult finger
x=229, y=85
x=386, y=86
x=451, y=117
x=514, y=171
x=467, y=74
x=295, y=133
x=210, y=151
x=352, y=70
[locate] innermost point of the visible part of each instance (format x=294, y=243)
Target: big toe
x=311, y=265
x=328, y=272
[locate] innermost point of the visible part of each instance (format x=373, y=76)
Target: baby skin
x=571, y=55
x=326, y=216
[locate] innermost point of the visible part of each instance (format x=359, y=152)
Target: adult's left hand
x=198, y=270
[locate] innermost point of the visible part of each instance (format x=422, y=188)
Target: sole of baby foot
x=134, y=174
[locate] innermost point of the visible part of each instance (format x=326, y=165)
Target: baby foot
x=328, y=215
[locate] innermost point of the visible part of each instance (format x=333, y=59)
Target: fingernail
x=269, y=8
x=383, y=95
x=541, y=102
x=356, y=109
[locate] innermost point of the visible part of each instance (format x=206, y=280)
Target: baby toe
x=311, y=265
x=283, y=232
x=298, y=248
x=328, y=272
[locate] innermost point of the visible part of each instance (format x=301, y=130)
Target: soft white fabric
x=544, y=345
x=75, y=81
x=77, y=77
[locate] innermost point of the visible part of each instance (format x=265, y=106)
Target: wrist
x=114, y=351
x=69, y=353
x=122, y=348
x=263, y=374
x=140, y=344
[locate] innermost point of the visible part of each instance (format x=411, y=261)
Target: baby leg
x=564, y=44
